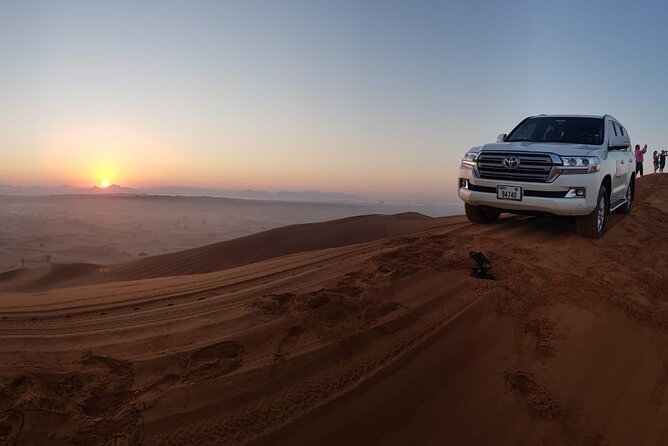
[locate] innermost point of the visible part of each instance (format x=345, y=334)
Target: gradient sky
x=378, y=98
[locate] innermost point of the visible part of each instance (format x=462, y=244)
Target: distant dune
x=116, y=228
x=361, y=331
x=275, y=243
x=65, y=189
x=223, y=255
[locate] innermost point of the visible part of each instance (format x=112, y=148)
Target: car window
x=614, y=127
x=559, y=129
x=526, y=132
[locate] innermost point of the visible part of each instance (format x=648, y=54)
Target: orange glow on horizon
x=130, y=155
x=95, y=153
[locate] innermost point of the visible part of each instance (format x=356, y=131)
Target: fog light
x=463, y=183
x=576, y=192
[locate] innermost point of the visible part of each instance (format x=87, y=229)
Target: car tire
x=480, y=215
x=630, y=196
x=593, y=225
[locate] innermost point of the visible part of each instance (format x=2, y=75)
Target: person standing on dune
x=662, y=160
x=655, y=160
x=640, y=154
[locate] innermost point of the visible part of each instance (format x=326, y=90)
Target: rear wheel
x=630, y=194
x=480, y=215
x=593, y=225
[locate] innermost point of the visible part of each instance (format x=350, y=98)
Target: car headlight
x=469, y=159
x=580, y=164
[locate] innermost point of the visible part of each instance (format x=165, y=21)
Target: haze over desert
x=104, y=229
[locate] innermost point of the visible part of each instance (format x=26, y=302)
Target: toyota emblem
x=511, y=162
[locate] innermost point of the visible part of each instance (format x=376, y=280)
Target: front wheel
x=630, y=194
x=593, y=225
x=478, y=215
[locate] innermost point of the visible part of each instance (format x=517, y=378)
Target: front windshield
x=559, y=129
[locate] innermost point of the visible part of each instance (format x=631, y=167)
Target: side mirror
x=619, y=142
x=501, y=137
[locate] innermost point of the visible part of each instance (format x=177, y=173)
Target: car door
x=621, y=164
x=630, y=157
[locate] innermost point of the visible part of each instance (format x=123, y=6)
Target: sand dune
x=275, y=243
x=386, y=340
x=223, y=255
x=110, y=229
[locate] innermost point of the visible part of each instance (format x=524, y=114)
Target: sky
x=374, y=98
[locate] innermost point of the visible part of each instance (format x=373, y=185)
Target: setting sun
x=104, y=183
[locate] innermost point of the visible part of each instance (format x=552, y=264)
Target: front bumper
x=551, y=201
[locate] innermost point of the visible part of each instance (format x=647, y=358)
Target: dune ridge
x=223, y=255
x=275, y=243
x=388, y=341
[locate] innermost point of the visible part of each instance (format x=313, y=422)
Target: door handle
x=622, y=161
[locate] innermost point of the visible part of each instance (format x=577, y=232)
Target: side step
x=617, y=203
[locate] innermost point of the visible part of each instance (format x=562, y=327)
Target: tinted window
x=614, y=128
x=559, y=129
x=525, y=131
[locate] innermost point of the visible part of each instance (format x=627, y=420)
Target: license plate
x=509, y=193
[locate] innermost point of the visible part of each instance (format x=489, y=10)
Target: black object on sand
x=481, y=270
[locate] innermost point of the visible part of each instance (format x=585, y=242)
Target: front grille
x=533, y=167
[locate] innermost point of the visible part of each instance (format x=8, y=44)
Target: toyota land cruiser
x=580, y=166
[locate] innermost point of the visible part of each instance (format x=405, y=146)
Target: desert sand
x=363, y=331
x=117, y=228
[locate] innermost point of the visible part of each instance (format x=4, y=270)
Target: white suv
x=563, y=165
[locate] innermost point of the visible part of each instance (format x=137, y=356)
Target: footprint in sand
x=539, y=402
x=216, y=359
